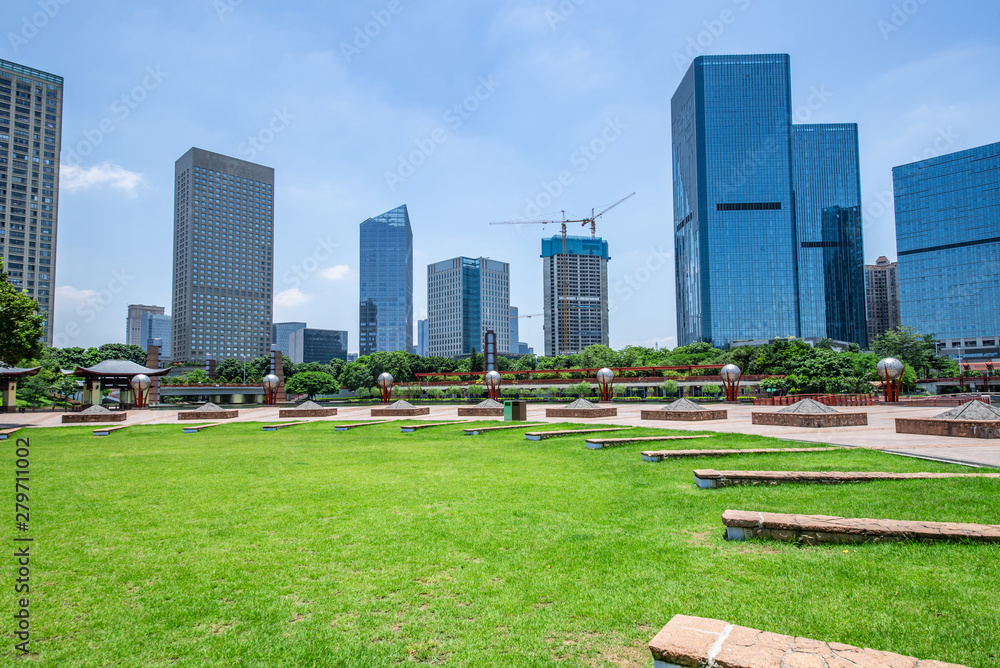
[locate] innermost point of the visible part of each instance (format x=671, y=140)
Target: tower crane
x=592, y=221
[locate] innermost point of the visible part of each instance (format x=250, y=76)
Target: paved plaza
x=879, y=434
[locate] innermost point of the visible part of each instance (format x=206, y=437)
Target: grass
x=307, y=547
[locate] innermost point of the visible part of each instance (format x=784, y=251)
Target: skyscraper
x=133, y=322
x=223, y=257
x=156, y=326
x=30, y=141
x=422, y=337
x=319, y=345
x=576, y=300
x=515, y=331
x=282, y=334
x=752, y=260
x=882, y=292
x=465, y=298
x=386, y=304
x=948, y=242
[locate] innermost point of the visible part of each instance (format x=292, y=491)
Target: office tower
x=575, y=294
x=752, y=262
x=386, y=305
x=223, y=257
x=281, y=336
x=524, y=349
x=882, y=292
x=155, y=326
x=318, y=345
x=133, y=323
x=30, y=141
x=422, y=337
x=515, y=332
x=465, y=298
x=948, y=244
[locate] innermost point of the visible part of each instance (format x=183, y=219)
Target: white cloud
x=74, y=178
x=69, y=298
x=336, y=273
x=291, y=298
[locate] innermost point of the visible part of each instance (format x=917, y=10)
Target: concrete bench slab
x=7, y=433
x=600, y=443
x=710, y=478
x=283, y=425
x=107, y=431
x=475, y=431
x=659, y=455
x=542, y=435
x=696, y=642
x=410, y=428
x=819, y=529
x=195, y=428
x=685, y=416
x=347, y=427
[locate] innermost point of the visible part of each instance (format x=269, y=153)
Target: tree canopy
x=21, y=323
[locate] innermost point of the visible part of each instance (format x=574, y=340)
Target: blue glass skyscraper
x=386, y=308
x=948, y=242
x=738, y=168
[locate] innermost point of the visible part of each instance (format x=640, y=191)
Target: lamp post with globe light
x=492, y=382
x=385, y=384
x=140, y=389
x=731, y=375
x=270, y=383
x=606, y=381
x=890, y=370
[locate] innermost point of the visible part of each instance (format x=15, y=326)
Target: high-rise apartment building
x=882, y=294
x=154, y=326
x=575, y=287
x=466, y=297
x=948, y=244
x=386, y=305
x=133, y=322
x=282, y=334
x=223, y=257
x=30, y=141
x=767, y=217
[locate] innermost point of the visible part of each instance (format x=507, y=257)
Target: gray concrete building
x=882, y=297
x=30, y=142
x=133, y=322
x=465, y=298
x=223, y=257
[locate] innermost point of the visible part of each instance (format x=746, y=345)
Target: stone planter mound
x=972, y=420
x=488, y=408
x=94, y=414
x=309, y=409
x=581, y=408
x=685, y=410
x=400, y=409
x=810, y=414
x=207, y=411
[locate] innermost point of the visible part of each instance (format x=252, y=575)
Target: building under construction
x=576, y=313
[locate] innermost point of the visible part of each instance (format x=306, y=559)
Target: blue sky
x=466, y=112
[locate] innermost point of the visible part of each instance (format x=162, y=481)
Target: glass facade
x=156, y=326
x=739, y=166
x=133, y=323
x=281, y=336
x=320, y=345
x=31, y=104
x=465, y=298
x=826, y=178
x=948, y=243
x=386, y=304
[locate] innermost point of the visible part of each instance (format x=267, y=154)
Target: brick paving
x=696, y=642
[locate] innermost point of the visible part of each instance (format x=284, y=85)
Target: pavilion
x=8, y=383
x=112, y=375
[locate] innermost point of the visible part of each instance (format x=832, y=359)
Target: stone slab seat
x=195, y=428
x=7, y=433
x=348, y=427
x=410, y=428
x=107, y=431
x=696, y=642
x=710, y=478
x=475, y=431
x=659, y=455
x=819, y=529
x=283, y=425
x=542, y=435
x=599, y=443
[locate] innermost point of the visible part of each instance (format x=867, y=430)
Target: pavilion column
x=91, y=392
x=9, y=395
x=153, y=362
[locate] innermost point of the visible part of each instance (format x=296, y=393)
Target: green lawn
x=308, y=547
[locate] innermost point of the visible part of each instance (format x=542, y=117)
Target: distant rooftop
x=21, y=69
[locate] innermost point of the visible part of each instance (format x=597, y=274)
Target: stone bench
x=207, y=415
x=475, y=431
x=600, y=443
x=710, y=478
x=810, y=421
x=696, y=642
x=819, y=529
x=473, y=411
x=107, y=431
x=410, y=428
x=659, y=455
x=581, y=413
x=347, y=427
x=283, y=425
x=400, y=412
x=7, y=433
x=195, y=428
x=542, y=435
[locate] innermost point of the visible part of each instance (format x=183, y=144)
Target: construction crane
x=592, y=221
x=533, y=315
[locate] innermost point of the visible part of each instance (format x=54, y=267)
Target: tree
x=669, y=388
x=33, y=389
x=121, y=351
x=195, y=376
x=357, y=375
x=396, y=363
x=597, y=357
x=21, y=324
x=711, y=389
x=312, y=383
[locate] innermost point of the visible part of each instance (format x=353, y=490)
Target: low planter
x=686, y=416
x=83, y=418
x=812, y=421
